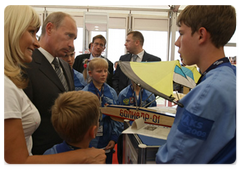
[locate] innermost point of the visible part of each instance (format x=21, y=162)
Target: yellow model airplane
x=158, y=78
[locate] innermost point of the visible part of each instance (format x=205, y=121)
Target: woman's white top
x=18, y=106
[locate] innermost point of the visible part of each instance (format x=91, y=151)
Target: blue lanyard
x=213, y=66
x=99, y=93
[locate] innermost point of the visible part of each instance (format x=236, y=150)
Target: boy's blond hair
x=73, y=113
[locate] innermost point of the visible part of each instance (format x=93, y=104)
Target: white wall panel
x=116, y=22
x=79, y=21
x=153, y=24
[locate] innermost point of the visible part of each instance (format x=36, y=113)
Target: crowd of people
x=52, y=99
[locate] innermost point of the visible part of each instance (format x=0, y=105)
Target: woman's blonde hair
x=73, y=113
x=93, y=64
x=17, y=19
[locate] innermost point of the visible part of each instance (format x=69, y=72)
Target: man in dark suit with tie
x=97, y=47
x=134, y=45
x=58, y=33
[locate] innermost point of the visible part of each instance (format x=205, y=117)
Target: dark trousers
x=109, y=157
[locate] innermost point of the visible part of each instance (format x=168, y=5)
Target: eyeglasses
x=96, y=44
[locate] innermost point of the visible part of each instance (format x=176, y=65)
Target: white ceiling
x=139, y=6
x=149, y=8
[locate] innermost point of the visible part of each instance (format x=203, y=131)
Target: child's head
x=97, y=69
x=74, y=113
x=219, y=21
x=69, y=57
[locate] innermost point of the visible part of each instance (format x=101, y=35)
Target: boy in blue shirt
x=204, y=130
x=75, y=117
x=79, y=81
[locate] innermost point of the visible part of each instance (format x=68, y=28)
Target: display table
x=137, y=149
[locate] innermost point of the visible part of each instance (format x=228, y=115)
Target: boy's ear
x=93, y=131
x=203, y=34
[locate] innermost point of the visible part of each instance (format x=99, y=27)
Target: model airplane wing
x=158, y=77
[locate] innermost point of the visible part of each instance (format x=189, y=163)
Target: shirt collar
x=48, y=56
x=91, y=56
x=140, y=55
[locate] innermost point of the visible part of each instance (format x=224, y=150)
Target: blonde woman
x=21, y=118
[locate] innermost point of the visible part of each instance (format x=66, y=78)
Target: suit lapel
x=88, y=56
x=46, y=68
x=145, y=56
x=128, y=57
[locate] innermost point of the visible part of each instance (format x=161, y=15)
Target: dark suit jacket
x=78, y=65
x=44, y=87
x=120, y=80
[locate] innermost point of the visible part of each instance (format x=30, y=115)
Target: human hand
x=95, y=156
x=110, y=145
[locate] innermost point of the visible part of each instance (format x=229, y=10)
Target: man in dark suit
x=134, y=45
x=44, y=83
x=97, y=47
